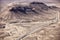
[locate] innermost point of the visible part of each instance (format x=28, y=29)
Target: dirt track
x=30, y=27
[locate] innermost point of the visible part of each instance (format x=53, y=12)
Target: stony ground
x=38, y=27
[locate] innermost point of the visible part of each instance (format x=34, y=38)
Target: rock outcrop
x=29, y=21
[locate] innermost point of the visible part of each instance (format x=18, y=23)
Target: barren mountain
x=29, y=21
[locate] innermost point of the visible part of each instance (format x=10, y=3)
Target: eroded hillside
x=30, y=21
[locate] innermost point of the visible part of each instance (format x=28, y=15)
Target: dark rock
x=25, y=9
x=40, y=5
x=2, y=25
x=52, y=7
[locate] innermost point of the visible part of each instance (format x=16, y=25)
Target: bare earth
x=42, y=26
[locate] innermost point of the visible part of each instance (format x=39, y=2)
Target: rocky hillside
x=29, y=21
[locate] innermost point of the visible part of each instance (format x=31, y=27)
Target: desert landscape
x=30, y=20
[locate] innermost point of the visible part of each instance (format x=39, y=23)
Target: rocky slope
x=30, y=21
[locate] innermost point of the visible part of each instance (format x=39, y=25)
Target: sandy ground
x=46, y=27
